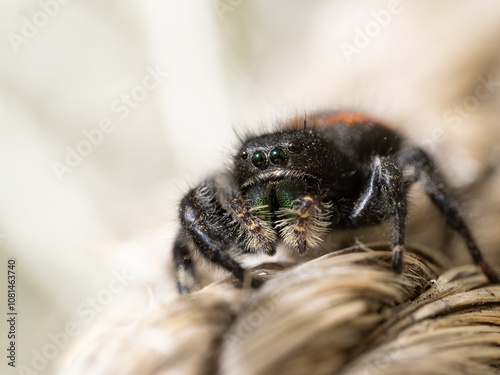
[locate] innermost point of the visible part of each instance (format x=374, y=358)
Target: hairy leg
x=385, y=196
x=438, y=191
x=184, y=270
x=203, y=221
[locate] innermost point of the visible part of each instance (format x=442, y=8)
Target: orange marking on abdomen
x=321, y=120
x=348, y=118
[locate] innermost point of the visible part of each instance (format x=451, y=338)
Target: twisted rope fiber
x=343, y=313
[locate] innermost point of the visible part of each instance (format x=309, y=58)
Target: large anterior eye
x=259, y=159
x=277, y=156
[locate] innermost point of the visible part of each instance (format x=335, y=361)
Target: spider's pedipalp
x=304, y=228
x=256, y=233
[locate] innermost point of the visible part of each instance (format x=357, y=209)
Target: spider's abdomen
x=355, y=135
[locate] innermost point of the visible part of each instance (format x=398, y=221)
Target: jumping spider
x=336, y=170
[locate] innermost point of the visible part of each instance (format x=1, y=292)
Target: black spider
x=325, y=171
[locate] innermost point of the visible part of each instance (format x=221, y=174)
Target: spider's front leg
x=383, y=197
x=217, y=231
x=184, y=271
x=425, y=171
x=208, y=229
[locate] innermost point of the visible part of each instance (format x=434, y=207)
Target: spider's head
x=283, y=155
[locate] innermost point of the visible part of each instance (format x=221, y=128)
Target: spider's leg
x=437, y=189
x=385, y=196
x=396, y=189
x=184, y=270
x=303, y=228
x=203, y=220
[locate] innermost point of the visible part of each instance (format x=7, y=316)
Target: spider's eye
x=277, y=156
x=244, y=155
x=293, y=147
x=259, y=159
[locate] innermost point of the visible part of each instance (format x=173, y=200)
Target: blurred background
x=109, y=110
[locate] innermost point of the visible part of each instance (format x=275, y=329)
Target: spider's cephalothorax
x=317, y=173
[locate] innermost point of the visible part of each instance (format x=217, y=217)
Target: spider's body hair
x=305, y=228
